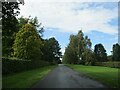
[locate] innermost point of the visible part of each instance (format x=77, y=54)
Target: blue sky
x=98, y=20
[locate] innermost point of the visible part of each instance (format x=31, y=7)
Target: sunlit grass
x=106, y=75
x=25, y=79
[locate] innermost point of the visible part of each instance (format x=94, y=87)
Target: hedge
x=12, y=65
x=108, y=64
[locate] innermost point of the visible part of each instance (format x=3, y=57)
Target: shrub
x=108, y=64
x=18, y=65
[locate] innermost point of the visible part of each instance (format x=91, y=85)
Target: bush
x=18, y=65
x=108, y=64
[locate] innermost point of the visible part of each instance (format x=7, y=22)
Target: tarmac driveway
x=64, y=77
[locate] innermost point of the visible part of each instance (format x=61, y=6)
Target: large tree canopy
x=27, y=44
x=77, y=46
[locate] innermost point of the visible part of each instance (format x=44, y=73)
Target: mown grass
x=106, y=75
x=25, y=79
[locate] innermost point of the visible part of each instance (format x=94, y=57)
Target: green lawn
x=25, y=79
x=106, y=75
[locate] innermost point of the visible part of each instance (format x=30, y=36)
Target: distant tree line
x=79, y=51
x=22, y=37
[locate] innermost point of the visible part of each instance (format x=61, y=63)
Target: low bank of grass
x=106, y=75
x=25, y=79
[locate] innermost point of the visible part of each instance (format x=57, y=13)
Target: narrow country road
x=64, y=77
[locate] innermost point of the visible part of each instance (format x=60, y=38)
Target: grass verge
x=25, y=79
x=106, y=75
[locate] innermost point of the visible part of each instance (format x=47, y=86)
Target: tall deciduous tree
x=77, y=46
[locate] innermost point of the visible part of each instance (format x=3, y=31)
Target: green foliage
x=70, y=57
x=116, y=52
x=100, y=52
x=88, y=57
x=108, y=64
x=33, y=21
x=9, y=26
x=22, y=21
x=52, y=50
x=22, y=39
x=27, y=44
x=77, y=48
x=18, y=65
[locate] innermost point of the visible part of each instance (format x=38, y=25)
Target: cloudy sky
x=98, y=20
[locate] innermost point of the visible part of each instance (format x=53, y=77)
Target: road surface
x=64, y=77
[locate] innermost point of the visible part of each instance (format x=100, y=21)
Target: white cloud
x=63, y=15
x=62, y=50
